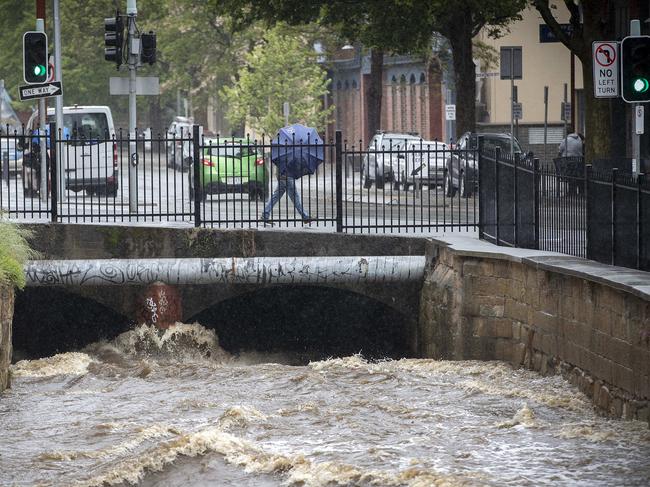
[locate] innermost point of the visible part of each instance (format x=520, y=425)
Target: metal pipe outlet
x=231, y=270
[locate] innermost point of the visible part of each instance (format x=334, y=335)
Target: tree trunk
x=597, y=119
x=460, y=38
x=375, y=91
x=597, y=24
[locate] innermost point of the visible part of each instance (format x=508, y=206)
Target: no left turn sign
x=605, y=63
x=605, y=54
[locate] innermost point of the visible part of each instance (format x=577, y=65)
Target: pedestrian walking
x=572, y=146
x=286, y=184
x=297, y=151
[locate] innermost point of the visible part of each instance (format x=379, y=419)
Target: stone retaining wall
x=510, y=309
x=6, y=316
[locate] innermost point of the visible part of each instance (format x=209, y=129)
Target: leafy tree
x=397, y=26
x=283, y=68
x=592, y=20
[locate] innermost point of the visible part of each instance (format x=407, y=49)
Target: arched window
x=354, y=84
x=347, y=84
x=423, y=78
x=412, y=104
x=402, y=99
x=338, y=85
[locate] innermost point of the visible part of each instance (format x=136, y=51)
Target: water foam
x=296, y=469
x=180, y=341
x=71, y=363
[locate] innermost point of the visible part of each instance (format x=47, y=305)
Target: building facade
x=412, y=97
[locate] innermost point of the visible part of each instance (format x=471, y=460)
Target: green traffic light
x=641, y=85
x=39, y=70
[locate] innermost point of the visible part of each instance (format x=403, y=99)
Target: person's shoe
x=308, y=220
x=267, y=220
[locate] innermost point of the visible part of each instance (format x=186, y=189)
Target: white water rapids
x=174, y=409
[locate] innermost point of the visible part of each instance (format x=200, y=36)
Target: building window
x=393, y=104
x=413, y=106
x=402, y=104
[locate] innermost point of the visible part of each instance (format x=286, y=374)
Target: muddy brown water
x=172, y=409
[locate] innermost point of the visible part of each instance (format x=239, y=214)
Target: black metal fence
x=228, y=182
x=568, y=208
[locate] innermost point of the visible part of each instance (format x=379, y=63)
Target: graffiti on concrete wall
x=258, y=270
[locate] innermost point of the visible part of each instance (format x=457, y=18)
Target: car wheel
x=449, y=189
x=396, y=186
x=464, y=191
x=367, y=182
x=380, y=182
x=109, y=190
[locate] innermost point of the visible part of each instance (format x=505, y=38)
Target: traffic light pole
x=59, y=103
x=42, y=140
x=134, y=55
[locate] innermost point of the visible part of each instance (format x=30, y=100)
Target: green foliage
x=14, y=252
x=282, y=68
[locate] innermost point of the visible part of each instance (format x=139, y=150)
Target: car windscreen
x=230, y=149
x=85, y=128
x=502, y=143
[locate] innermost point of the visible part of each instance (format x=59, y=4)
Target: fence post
x=497, y=156
x=515, y=198
x=613, y=215
x=54, y=174
x=587, y=193
x=339, y=181
x=481, y=199
x=198, y=190
x=536, y=182
x=639, y=219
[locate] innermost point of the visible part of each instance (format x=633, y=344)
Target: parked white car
x=89, y=152
x=422, y=162
x=179, y=144
x=378, y=161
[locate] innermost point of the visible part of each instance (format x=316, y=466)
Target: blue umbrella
x=297, y=151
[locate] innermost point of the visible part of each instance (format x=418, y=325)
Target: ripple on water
x=150, y=401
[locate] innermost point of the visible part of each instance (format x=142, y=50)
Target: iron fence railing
x=568, y=208
x=228, y=182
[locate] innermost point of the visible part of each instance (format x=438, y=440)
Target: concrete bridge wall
x=6, y=315
x=552, y=313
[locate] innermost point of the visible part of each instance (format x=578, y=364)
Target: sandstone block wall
x=6, y=316
x=498, y=309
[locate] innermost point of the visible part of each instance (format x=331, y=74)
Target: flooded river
x=175, y=409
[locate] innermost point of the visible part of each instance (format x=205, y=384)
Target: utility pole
x=40, y=27
x=61, y=164
x=133, y=60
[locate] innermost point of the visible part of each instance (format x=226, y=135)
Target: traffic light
x=635, y=71
x=35, y=57
x=148, y=48
x=113, y=38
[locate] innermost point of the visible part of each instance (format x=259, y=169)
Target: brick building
x=412, y=98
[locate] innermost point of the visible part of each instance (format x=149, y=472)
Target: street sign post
x=606, y=69
x=450, y=112
x=44, y=90
x=565, y=111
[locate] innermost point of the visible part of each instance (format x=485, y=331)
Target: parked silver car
x=421, y=164
x=462, y=163
x=384, y=148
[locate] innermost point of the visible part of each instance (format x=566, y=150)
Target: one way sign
x=45, y=90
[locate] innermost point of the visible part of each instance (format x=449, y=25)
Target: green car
x=232, y=166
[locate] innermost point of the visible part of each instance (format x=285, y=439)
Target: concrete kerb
x=621, y=278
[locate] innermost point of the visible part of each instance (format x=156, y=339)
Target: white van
x=89, y=154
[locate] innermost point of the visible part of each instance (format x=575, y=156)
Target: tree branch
x=544, y=9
